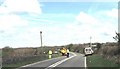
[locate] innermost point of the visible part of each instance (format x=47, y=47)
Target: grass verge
x=19, y=64
x=97, y=61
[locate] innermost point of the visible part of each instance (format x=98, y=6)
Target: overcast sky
x=61, y=22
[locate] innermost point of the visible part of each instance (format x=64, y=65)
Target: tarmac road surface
x=75, y=61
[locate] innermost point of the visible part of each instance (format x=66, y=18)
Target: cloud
x=84, y=18
x=13, y=6
x=113, y=13
x=90, y=25
x=79, y=0
x=8, y=22
x=11, y=23
x=102, y=29
x=43, y=20
x=65, y=33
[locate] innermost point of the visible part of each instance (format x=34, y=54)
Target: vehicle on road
x=88, y=51
x=63, y=52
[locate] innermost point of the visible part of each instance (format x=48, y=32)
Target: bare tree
x=117, y=38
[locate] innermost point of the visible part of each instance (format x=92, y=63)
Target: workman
x=50, y=54
x=68, y=52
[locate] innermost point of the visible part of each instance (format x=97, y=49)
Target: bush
x=11, y=55
x=69, y=46
x=76, y=47
x=7, y=51
x=110, y=52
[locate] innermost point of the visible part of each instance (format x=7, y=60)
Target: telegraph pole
x=90, y=41
x=41, y=37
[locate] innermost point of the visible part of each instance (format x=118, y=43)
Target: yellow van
x=88, y=51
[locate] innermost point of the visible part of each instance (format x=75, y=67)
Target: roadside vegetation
x=16, y=57
x=76, y=48
x=106, y=54
x=98, y=61
x=22, y=63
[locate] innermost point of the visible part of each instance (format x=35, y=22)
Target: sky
x=61, y=23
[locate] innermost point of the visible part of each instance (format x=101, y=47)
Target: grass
x=98, y=61
x=19, y=64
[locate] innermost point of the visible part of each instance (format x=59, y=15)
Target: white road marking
x=59, y=62
x=85, y=63
x=38, y=62
x=55, y=64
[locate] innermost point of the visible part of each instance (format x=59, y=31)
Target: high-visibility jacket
x=63, y=51
x=50, y=52
x=68, y=51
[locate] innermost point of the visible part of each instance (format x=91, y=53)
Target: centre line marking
x=59, y=62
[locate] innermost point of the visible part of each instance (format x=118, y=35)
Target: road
x=76, y=60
